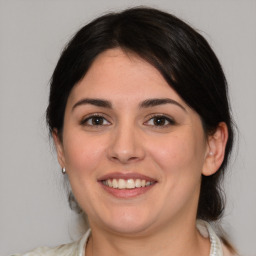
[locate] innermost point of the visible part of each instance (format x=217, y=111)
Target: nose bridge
x=126, y=144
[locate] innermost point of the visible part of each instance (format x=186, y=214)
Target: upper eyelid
x=168, y=118
x=109, y=119
x=160, y=115
x=88, y=116
x=96, y=114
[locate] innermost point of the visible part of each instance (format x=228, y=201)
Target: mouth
x=127, y=184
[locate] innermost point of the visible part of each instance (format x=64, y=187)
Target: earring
x=63, y=170
x=211, y=153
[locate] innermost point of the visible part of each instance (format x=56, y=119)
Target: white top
x=78, y=248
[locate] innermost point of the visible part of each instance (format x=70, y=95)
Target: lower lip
x=127, y=193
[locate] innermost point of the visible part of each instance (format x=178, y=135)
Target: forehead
x=118, y=74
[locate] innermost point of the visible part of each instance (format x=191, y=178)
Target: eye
x=95, y=120
x=159, y=121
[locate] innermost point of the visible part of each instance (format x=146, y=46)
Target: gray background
x=33, y=205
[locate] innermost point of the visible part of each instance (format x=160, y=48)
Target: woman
x=139, y=114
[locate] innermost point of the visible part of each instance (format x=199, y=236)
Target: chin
x=129, y=222
x=129, y=227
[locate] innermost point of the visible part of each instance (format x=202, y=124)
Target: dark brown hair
x=182, y=56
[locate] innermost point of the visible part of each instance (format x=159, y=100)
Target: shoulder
x=66, y=249
x=71, y=249
x=217, y=245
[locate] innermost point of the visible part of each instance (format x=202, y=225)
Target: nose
x=126, y=145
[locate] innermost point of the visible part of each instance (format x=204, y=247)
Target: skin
x=128, y=140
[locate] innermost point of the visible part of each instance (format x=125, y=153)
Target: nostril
x=133, y=158
x=124, y=159
x=125, y=148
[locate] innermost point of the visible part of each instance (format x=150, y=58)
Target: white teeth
x=137, y=183
x=121, y=184
x=130, y=183
x=127, y=184
x=115, y=183
x=148, y=183
x=109, y=183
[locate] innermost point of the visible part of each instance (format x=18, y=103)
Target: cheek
x=178, y=154
x=82, y=154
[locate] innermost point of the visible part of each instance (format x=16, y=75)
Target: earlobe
x=215, y=150
x=59, y=148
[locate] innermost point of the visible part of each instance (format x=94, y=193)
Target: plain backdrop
x=33, y=204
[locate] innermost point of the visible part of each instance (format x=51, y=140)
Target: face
x=133, y=150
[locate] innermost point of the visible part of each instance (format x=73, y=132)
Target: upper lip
x=125, y=176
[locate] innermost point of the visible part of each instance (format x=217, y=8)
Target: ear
x=215, y=150
x=59, y=148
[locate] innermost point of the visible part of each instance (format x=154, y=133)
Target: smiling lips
x=126, y=184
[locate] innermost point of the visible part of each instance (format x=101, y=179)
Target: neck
x=162, y=242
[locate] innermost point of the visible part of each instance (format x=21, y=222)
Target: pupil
x=97, y=120
x=159, y=121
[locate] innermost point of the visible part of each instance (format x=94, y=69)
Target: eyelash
x=164, y=118
x=90, y=118
x=88, y=121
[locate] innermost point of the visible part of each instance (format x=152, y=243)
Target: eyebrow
x=144, y=104
x=156, y=102
x=95, y=102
